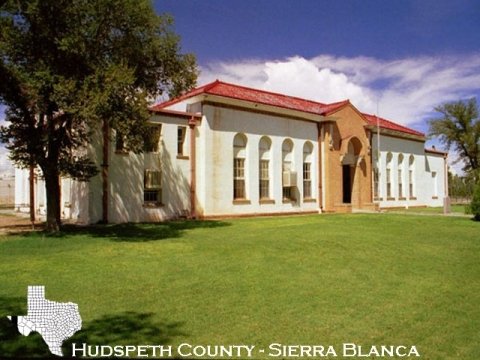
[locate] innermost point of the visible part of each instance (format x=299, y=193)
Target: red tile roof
x=220, y=88
x=390, y=125
x=232, y=91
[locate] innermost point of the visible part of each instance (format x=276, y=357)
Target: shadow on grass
x=12, y=343
x=135, y=232
x=127, y=328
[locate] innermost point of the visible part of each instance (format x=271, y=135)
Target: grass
x=455, y=209
x=368, y=279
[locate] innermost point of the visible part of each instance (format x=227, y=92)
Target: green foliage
x=475, y=205
x=461, y=186
x=459, y=127
x=69, y=65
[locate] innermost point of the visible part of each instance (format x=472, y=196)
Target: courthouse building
x=228, y=150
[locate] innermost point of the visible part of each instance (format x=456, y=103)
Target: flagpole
x=379, y=195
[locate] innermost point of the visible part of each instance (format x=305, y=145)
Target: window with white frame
x=389, y=176
x=400, y=176
x=307, y=170
x=152, y=186
x=288, y=174
x=239, y=157
x=264, y=167
x=411, y=176
x=181, y=132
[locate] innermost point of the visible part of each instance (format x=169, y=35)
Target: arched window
x=239, y=156
x=389, y=176
x=288, y=176
x=411, y=176
x=307, y=170
x=264, y=167
x=400, y=176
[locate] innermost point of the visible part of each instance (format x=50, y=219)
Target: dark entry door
x=347, y=184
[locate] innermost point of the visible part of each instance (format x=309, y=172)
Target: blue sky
x=239, y=29
x=400, y=57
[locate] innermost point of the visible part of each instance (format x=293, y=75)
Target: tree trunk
x=52, y=185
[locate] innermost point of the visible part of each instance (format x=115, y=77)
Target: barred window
x=152, y=186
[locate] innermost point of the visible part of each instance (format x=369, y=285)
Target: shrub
x=475, y=205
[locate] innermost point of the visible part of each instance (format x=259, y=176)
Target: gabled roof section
x=334, y=107
x=390, y=125
x=238, y=92
x=232, y=91
x=205, y=89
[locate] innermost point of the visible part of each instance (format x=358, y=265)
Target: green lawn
x=456, y=209
x=325, y=279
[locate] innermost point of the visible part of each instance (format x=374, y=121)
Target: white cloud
x=6, y=166
x=406, y=90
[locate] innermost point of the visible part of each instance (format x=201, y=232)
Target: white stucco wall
x=22, y=194
x=219, y=128
x=428, y=191
x=22, y=190
x=126, y=180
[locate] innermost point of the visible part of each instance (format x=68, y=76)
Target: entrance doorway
x=347, y=184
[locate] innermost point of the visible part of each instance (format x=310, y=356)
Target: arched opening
x=351, y=158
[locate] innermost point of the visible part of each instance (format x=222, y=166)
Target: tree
x=475, y=205
x=460, y=187
x=459, y=126
x=72, y=67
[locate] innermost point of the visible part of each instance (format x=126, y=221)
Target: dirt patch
x=11, y=223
